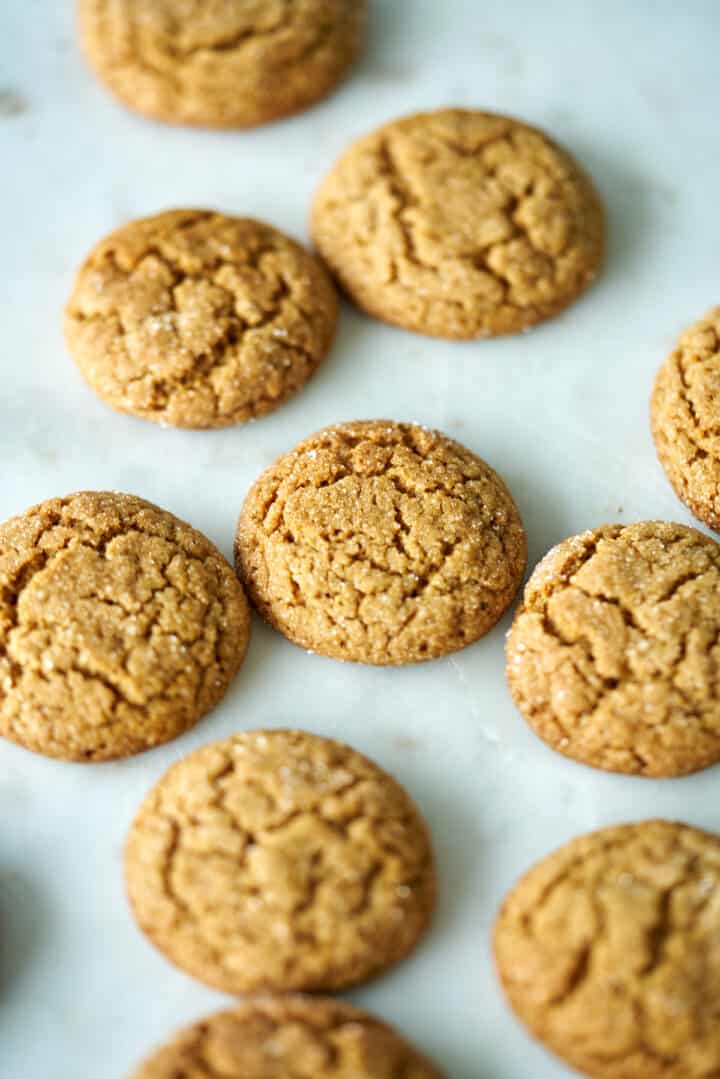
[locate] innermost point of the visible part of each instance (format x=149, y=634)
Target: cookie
x=614, y=654
x=382, y=543
x=685, y=414
x=274, y=1037
x=120, y=626
x=194, y=319
x=459, y=224
x=608, y=952
x=279, y=860
x=220, y=63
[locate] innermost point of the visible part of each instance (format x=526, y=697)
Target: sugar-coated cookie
x=613, y=657
x=192, y=318
x=120, y=626
x=381, y=542
x=279, y=860
x=459, y=224
x=685, y=412
x=274, y=1037
x=608, y=952
x=220, y=63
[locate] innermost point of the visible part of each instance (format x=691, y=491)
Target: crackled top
x=609, y=951
x=459, y=224
x=614, y=654
x=279, y=860
x=195, y=319
x=290, y=1036
x=686, y=418
x=220, y=63
x=381, y=542
x=120, y=626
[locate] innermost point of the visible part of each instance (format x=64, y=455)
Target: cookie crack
x=401, y=191
x=322, y=33
x=226, y=42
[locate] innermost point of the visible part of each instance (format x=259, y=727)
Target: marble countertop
x=632, y=90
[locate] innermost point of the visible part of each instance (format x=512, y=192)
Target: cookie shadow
x=264, y=640
x=24, y=918
x=385, y=59
x=457, y=846
x=547, y=516
x=335, y=378
x=636, y=205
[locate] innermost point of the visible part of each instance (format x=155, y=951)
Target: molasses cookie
x=195, y=319
x=608, y=952
x=381, y=542
x=459, y=224
x=614, y=654
x=120, y=626
x=220, y=63
x=685, y=413
x=279, y=860
x=274, y=1037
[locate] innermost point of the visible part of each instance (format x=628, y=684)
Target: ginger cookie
x=685, y=412
x=220, y=63
x=614, y=654
x=459, y=224
x=609, y=952
x=382, y=543
x=275, y=1037
x=194, y=319
x=120, y=626
x=279, y=860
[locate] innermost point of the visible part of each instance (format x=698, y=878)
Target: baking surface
x=560, y=412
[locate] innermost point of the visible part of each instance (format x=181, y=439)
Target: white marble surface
x=562, y=413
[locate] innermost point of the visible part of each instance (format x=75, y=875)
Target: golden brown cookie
x=220, y=63
x=685, y=413
x=381, y=542
x=195, y=319
x=609, y=952
x=279, y=860
x=614, y=654
x=459, y=224
x=276, y=1037
x=120, y=626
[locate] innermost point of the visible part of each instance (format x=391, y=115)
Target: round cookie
x=220, y=63
x=685, y=414
x=382, y=543
x=613, y=657
x=279, y=860
x=608, y=952
x=194, y=319
x=459, y=224
x=274, y=1037
x=120, y=626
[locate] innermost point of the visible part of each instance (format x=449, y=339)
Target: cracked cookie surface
x=279, y=860
x=608, y=951
x=459, y=224
x=382, y=543
x=290, y=1037
x=685, y=413
x=220, y=63
x=120, y=626
x=194, y=319
x=613, y=657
